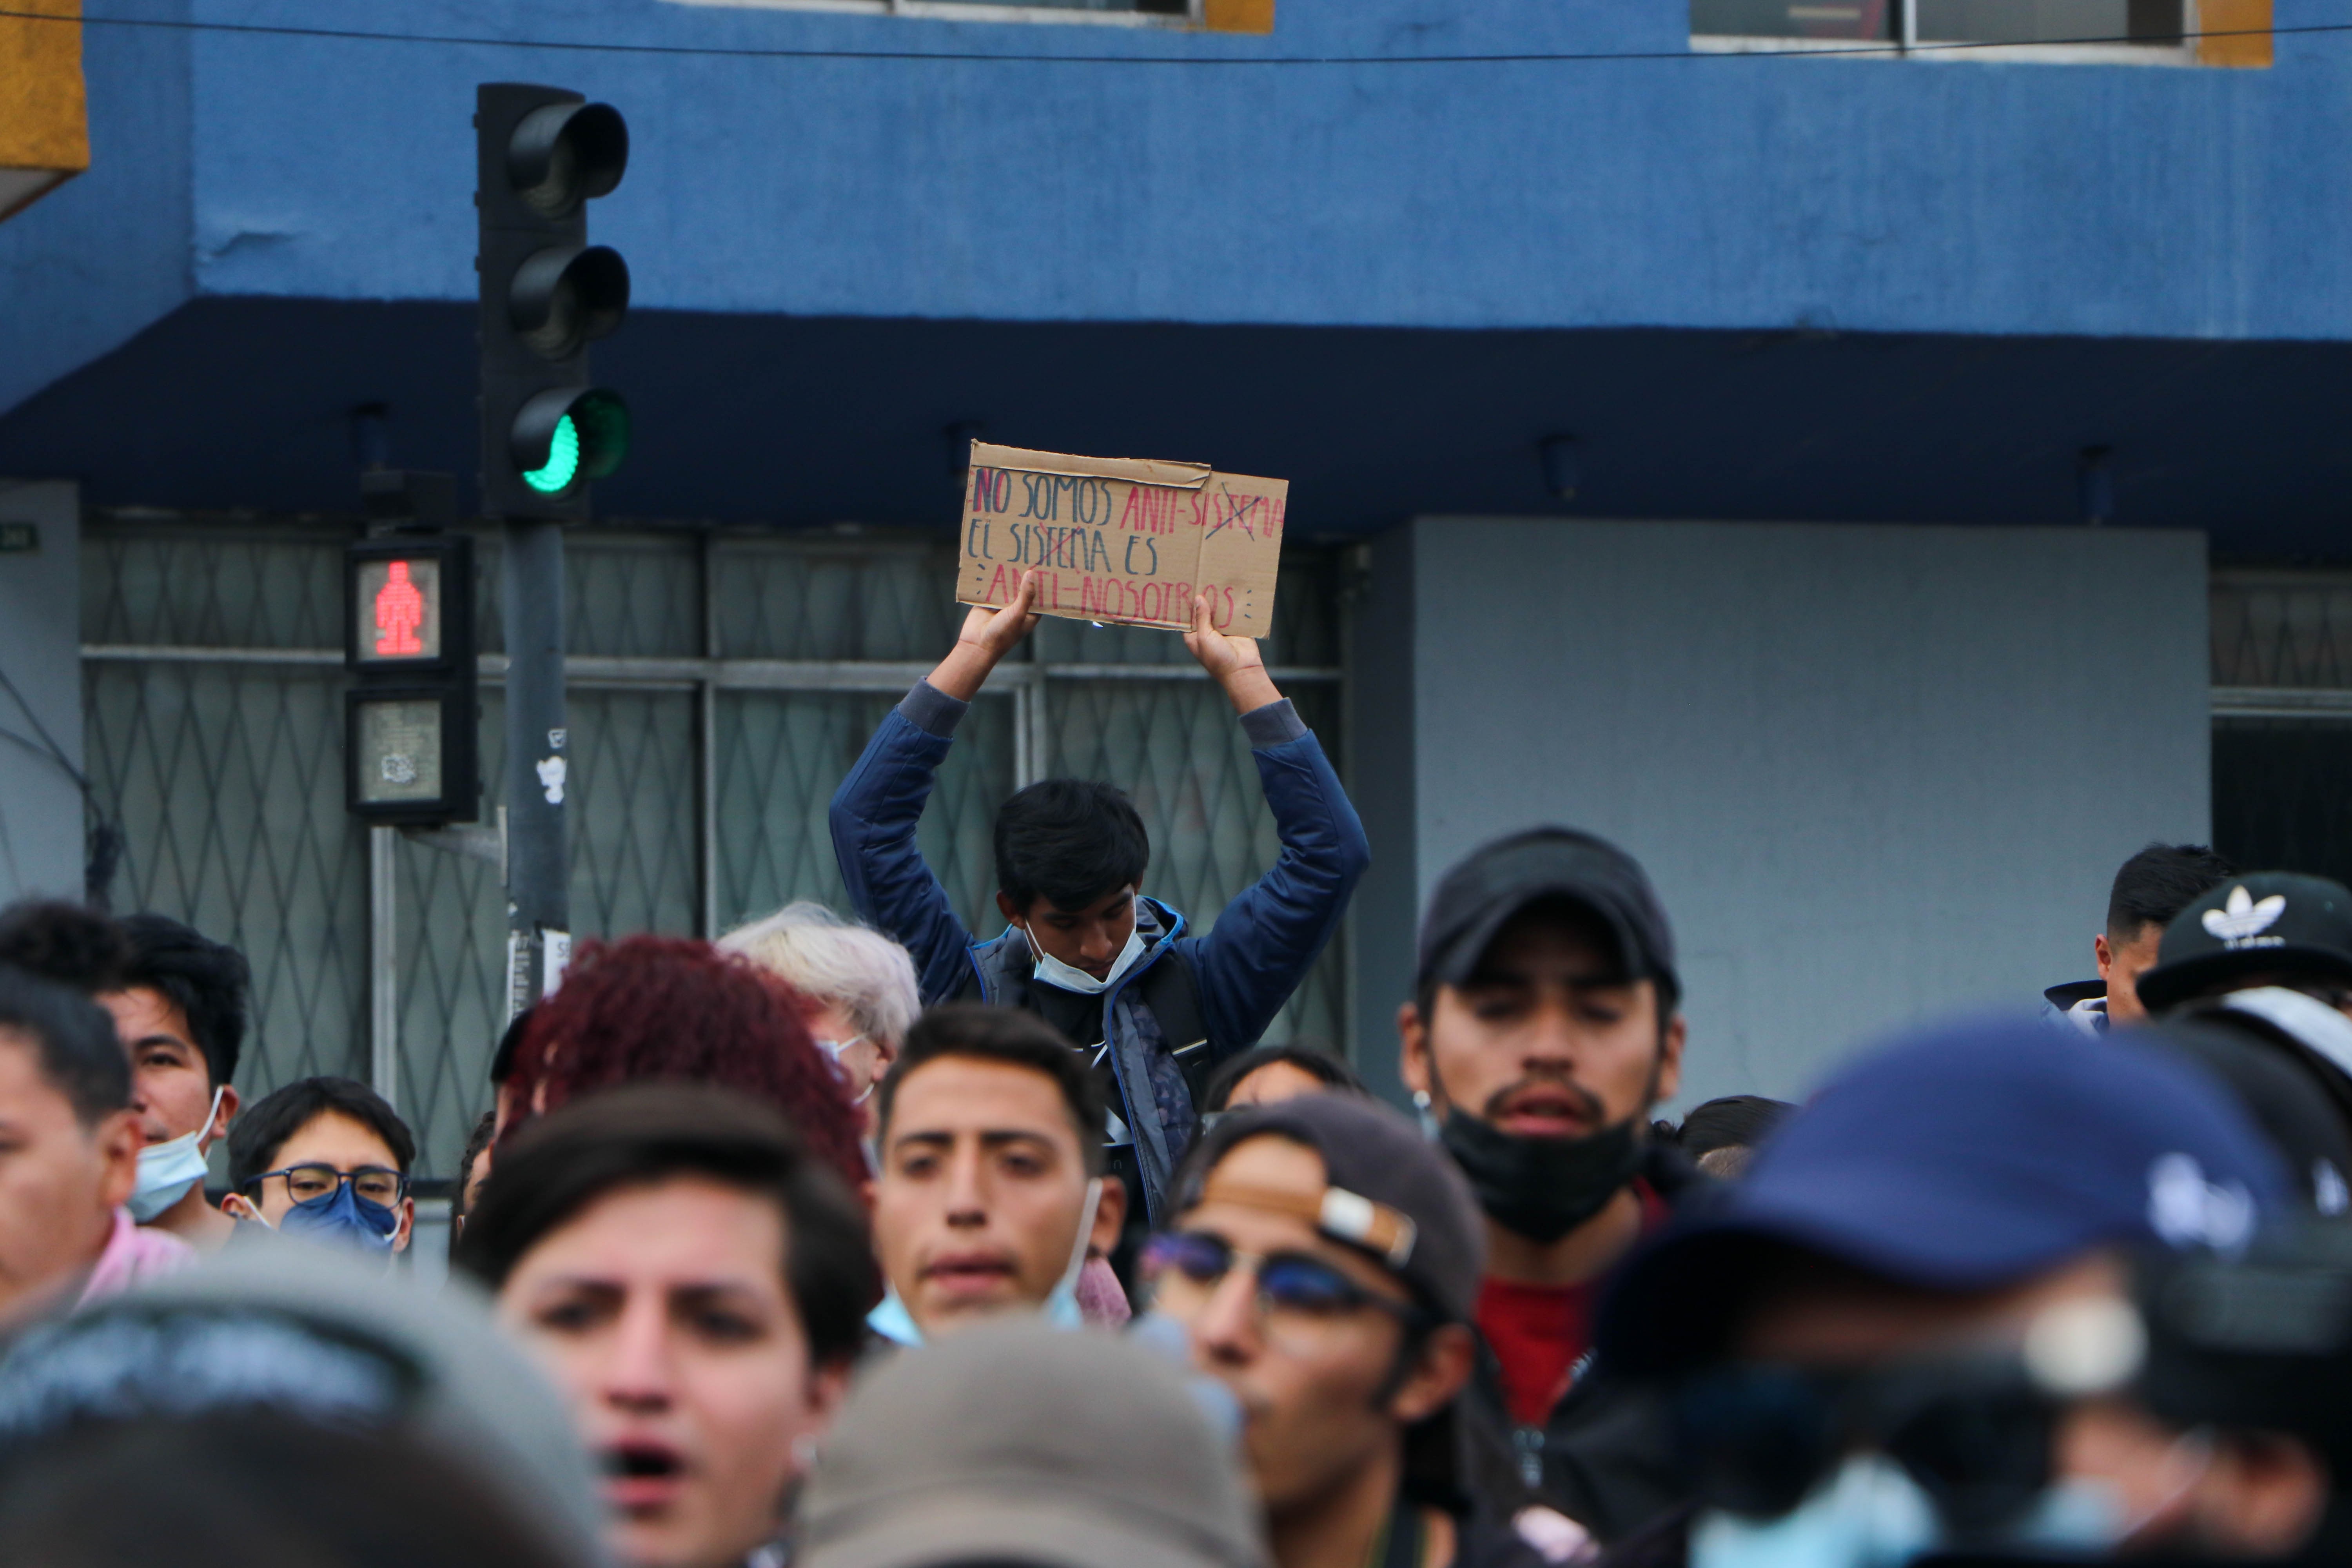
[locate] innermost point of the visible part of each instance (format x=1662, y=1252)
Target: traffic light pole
x=538, y=904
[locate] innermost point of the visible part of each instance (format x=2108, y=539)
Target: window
x=2151, y=31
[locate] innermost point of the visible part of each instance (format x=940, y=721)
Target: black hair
x=642, y=1133
x=217, y=1486
x=1073, y=841
x=74, y=1040
x=2155, y=885
x=1734, y=1121
x=1008, y=1035
x=1321, y=1066
x=67, y=943
x=258, y=1135
x=476, y=1141
x=205, y=980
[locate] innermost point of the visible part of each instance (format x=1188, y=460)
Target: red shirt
x=1540, y=1334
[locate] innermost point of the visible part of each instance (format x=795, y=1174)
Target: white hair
x=835, y=963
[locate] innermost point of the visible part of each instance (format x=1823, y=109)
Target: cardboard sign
x=1120, y=539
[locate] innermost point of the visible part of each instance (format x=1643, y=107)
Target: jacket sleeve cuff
x=934, y=712
x=1271, y=725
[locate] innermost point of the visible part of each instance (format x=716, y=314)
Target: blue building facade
x=1387, y=249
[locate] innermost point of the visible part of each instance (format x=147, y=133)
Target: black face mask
x=1541, y=1188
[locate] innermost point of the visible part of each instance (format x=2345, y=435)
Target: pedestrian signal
x=410, y=713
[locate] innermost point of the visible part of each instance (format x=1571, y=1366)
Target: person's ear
x=118, y=1140
x=1670, y=1058
x=1412, y=1055
x=1446, y=1359
x=828, y=1386
x=1110, y=1218
x=407, y=1225
x=2261, y=1497
x=230, y=1103
x=1011, y=915
x=2104, y=954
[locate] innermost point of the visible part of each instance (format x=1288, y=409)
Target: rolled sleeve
x=935, y=712
x=1271, y=725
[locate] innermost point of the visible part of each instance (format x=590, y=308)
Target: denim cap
x=1478, y=896
x=1966, y=1157
x=1010, y=1442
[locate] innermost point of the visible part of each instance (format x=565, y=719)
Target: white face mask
x=836, y=1049
x=1067, y=977
x=169, y=1169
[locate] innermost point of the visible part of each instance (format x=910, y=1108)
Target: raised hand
x=1232, y=663
x=986, y=638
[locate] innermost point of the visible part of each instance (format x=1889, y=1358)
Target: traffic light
x=408, y=641
x=546, y=294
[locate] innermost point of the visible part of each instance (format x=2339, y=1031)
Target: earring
x=1421, y=1099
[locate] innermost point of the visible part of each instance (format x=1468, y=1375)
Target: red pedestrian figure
x=399, y=611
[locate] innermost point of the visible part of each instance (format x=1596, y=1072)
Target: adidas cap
x=2272, y=922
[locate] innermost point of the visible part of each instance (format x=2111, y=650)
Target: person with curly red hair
x=673, y=1009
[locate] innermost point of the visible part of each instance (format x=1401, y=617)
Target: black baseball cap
x=1379, y=1170
x=1484, y=890
x=2271, y=923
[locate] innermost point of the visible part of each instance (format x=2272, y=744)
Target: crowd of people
x=857, y=1239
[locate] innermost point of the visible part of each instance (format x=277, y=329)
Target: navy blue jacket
x=1241, y=971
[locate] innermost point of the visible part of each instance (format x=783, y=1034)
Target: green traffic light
x=562, y=464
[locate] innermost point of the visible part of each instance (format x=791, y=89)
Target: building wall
x=40, y=654
x=1877, y=773
x=1633, y=185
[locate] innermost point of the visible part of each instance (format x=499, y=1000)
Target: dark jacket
x=1605, y=1457
x=1217, y=992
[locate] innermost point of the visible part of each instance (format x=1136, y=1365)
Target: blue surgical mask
x=1871, y=1514
x=1069, y=977
x=343, y=1218
x=894, y=1323
x=167, y=1171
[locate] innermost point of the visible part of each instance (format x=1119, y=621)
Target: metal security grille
x=2283, y=719
x=719, y=686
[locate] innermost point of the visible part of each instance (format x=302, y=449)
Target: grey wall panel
x=1877, y=772
x=40, y=649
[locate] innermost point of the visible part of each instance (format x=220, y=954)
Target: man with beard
x=1543, y=1029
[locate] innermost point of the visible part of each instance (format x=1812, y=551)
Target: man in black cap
x=2268, y=958
x=1543, y=1029
x=2150, y=890
x=1323, y=1264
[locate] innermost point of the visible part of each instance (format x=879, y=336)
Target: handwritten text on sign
x=1119, y=539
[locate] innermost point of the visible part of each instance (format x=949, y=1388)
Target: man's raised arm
x=1270, y=934
x=876, y=811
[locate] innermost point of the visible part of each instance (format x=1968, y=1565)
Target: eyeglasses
x=836, y=1049
x=1975, y=1432
x=1299, y=1298
x=373, y=1183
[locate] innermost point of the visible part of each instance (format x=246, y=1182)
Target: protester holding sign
x=1113, y=970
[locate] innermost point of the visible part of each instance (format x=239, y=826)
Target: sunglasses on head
x=1974, y=1433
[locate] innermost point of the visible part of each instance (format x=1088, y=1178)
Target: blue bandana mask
x=343, y=1218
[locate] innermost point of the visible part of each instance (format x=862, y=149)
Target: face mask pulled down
x=1541, y=1188
x=170, y=1170
x=1069, y=977
x=893, y=1322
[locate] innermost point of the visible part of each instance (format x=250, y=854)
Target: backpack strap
x=1173, y=992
